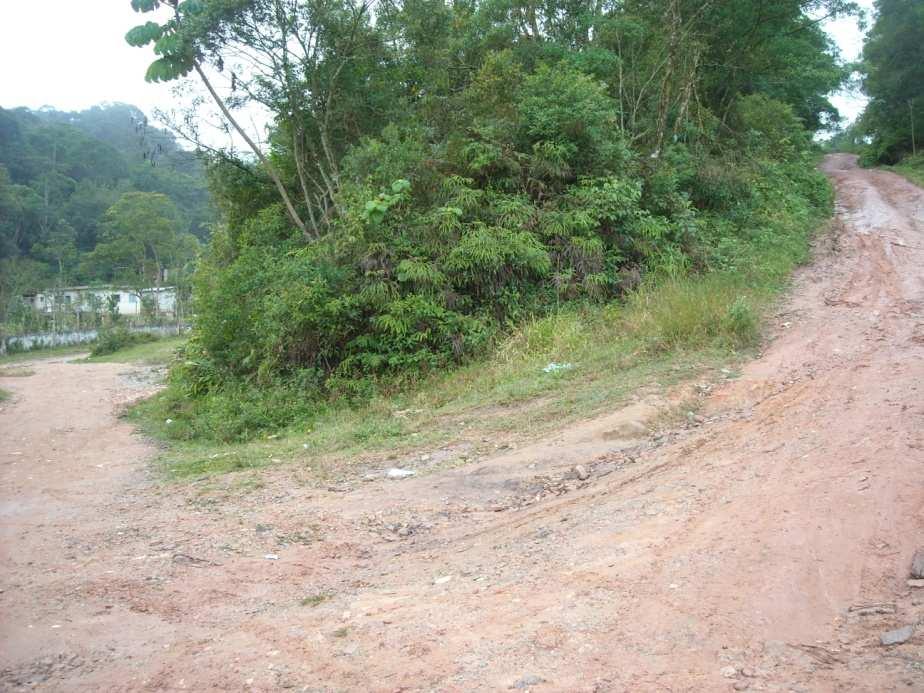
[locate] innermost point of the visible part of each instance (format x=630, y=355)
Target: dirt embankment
x=766, y=549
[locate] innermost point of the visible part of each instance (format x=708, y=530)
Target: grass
x=154, y=353
x=670, y=330
x=314, y=600
x=53, y=352
x=15, y=372
x=5, y=394
x=911, y=168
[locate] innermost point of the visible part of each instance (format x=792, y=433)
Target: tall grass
x=912, y=168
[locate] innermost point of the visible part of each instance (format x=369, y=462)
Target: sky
x=58, y=53
x=61, y=53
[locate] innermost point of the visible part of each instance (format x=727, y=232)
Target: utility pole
x=914, y=144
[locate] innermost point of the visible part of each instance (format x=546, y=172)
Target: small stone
x=897, y=636
x=917, y=564
x=271, y=557
x=395, y=473
x=442, y=580
x=528, y=681
x=910, y=583
x=581, y=472
x=729, y=672
x=741, y=685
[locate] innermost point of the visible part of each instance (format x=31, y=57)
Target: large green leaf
x=167, y=45
x=191, y=7
x=169, y=68
x=144, y=5
x=144, y=34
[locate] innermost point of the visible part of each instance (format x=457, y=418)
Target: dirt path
x=726, y=555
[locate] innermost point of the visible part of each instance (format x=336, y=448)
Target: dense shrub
x=113, y=339
x=470, y=178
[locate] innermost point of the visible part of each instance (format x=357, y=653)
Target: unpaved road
x=723, y=556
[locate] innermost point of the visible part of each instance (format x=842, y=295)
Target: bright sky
x=850, y=41
x=64, y=54
x=59, y=53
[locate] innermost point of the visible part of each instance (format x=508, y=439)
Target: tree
x=140, y=238
x=308, y=62
x=893, y=66
x=59, y=246
x=437, y=170
x=57, y=166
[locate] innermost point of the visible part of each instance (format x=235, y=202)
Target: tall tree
x=140, y=238
x=893, y=65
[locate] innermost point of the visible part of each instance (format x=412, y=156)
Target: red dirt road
x=724, y=556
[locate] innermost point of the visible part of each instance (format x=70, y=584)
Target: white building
x=96, y=299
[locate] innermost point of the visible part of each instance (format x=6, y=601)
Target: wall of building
x=45, y=340
x=83, y=299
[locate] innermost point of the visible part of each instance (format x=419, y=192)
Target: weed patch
x=16, y=372
x=114, y=339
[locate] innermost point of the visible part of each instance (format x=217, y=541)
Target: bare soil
x=763, y=546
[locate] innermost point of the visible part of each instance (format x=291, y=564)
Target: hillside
x=59, y=174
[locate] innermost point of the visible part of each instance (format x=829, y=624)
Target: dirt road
x=765, y=548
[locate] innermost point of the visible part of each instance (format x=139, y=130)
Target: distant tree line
x=891, y=127
x=97, y=196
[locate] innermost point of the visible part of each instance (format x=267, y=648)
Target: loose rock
x=729, y=672
x=915, y=583
x=581, y=472
x=897, y=636
x=917, y=564
x=528, y=681
x=395, y=473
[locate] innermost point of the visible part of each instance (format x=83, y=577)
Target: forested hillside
x=62, y=173
x=439, y=172
x=893, y=78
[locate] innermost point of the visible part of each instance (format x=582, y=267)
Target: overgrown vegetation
x=891, y=127
x=116, y=338
x=73, y=188
x=157, y=352
x=454, y=191
x=912, y=168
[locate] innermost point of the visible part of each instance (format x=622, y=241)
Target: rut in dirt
x=767, y=549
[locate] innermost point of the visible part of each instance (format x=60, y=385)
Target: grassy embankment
x=153, y=353
x=52, y=352
x=911, y=168
x=669, y=330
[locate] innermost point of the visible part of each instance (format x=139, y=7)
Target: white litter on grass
x=555, y=367
x=395, y=473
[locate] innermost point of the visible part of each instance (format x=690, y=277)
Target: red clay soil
x=765, y=547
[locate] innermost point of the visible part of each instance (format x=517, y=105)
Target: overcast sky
x=61, y=53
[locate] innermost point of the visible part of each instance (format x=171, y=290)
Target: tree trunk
x=270, y=169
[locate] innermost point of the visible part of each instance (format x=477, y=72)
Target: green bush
x=117, y=338
x=540, y=179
